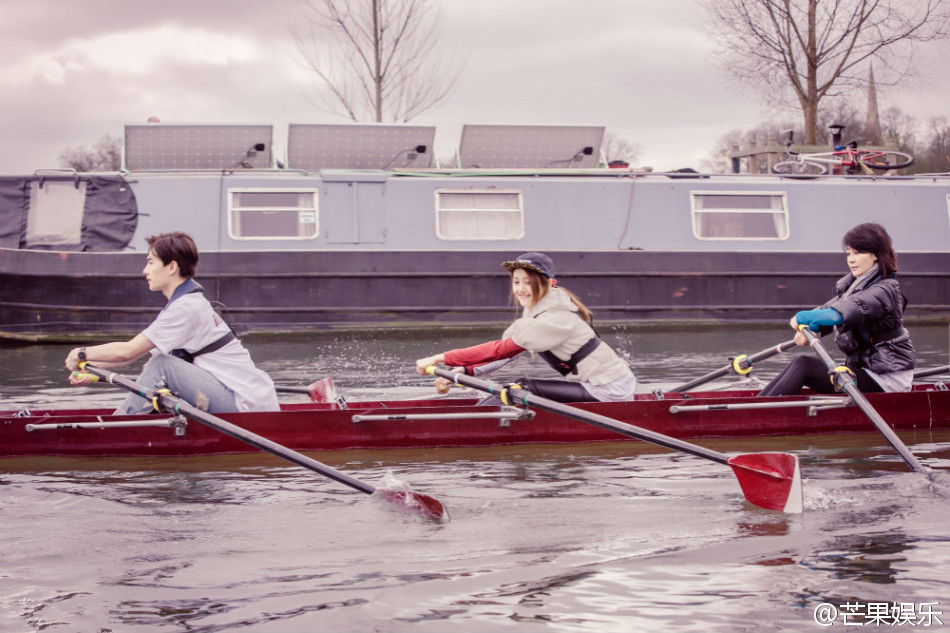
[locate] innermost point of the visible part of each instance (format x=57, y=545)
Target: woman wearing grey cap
x=554, y=325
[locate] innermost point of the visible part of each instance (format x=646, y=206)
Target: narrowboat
x=358, y=226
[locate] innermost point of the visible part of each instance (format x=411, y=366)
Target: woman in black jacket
x=867, y=316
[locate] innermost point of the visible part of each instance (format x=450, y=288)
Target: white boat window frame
x=55, y=213
x=439, y=210
x=304, y=213
x=782, y=230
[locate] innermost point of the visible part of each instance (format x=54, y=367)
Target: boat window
x=55, y=214
x=479, y=214
x=272, y=213
x=739, y=215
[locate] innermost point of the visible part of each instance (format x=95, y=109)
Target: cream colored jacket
x=554, y=324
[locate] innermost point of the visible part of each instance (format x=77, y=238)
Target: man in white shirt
x=194, y=353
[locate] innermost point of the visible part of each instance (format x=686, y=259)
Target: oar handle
x=844, y=379
x=740, y=365
x=514, y=394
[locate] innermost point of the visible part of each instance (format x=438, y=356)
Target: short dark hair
x=873, y=238
x=175, y=247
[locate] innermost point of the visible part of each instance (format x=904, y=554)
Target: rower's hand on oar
x=73, y=359
x=814, y=320
x=422, y=363
x=82, y=378
x=442, y=385
x=800, y=339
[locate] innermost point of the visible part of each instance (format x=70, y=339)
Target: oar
x=933, y=371
x=163, y=400
x=768, y=480
x=320, y=391
x=844, y=379
x=740, y=365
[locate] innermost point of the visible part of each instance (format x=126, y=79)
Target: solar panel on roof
x=197, y=146
x=530, y=146
x=360, y=146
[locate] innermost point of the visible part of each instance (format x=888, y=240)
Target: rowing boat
x=460, y=422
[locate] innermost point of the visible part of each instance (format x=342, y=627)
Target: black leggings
x=557, y=390
x=809, y=371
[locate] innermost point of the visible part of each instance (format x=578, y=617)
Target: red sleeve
x=484, y=353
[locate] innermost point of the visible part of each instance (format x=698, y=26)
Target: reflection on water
x=610, y=537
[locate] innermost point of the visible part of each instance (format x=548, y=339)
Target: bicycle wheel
x=887, y=160
x=799, y=167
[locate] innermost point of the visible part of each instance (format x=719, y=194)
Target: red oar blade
x=427, y=506
x=322, y=390
x=770, y=480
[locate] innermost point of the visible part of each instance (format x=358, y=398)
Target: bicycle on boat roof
x=848, y=157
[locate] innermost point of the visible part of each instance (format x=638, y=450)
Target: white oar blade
x=770, y=480
x=322, y=390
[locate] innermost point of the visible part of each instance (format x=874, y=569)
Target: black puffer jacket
x=873, y=334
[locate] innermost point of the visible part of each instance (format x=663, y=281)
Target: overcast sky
x=72, y=71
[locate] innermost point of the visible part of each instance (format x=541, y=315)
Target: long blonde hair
x=539, y=289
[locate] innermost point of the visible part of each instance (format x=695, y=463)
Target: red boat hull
x=326, y=427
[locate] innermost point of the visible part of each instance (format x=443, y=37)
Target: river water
x=600, y=537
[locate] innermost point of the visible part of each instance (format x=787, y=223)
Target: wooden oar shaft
x=742, y=362
x=529, y=399
x=173, y=404
x=845, y=380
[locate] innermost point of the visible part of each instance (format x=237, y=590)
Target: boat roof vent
x=313, y=147
x=197, y=146
x=530, y=146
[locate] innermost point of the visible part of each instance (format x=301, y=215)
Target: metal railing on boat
x=504, y=416
x=178, y=424
x=814, y=405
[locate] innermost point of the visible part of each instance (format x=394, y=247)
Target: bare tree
x=806, y=50
x=105, y=155
x=720, y=158
x=898, y=129
x=376, y=58
x=752, y=144
x=616, y=148
x=935, y=156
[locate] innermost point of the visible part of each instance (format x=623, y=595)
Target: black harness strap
x=569, y=366
x=210, y=347
x=188, y=287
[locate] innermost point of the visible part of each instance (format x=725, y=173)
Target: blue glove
x=814, y=319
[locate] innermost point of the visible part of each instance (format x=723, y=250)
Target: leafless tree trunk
x=616, y=148
x=376, y=58
x=935, y=156
x=105, y=155
x=806, y=50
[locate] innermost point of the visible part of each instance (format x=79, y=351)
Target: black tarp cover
x=110, y=213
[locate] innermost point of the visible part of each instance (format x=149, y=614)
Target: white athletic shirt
x=191, y=323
